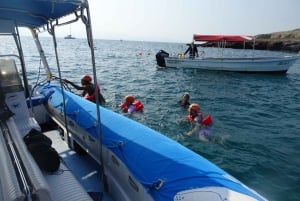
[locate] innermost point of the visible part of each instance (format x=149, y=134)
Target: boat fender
x=180, y=56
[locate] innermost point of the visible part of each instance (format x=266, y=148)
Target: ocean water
x=256, y=131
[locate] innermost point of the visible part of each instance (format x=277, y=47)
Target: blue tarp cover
x=36, y=13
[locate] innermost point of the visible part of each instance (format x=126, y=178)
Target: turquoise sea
x=256, y=132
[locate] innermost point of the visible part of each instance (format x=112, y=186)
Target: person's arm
x=74, y=85
x=197, y=126
x=194, y=130
x=187, y=51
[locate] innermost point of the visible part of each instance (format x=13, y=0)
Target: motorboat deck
x=78, y=177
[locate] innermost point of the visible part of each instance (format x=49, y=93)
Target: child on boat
x=131, y=105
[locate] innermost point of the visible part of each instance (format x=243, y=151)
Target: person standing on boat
x=88, y=89
x=192, y=50
x=131, y=105
x=184, y=102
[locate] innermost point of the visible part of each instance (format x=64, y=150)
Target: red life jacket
x=124, y=107
x=138, y=106
x=207, y=120
x=204, y=121
x=191, y=119
x=92, y=97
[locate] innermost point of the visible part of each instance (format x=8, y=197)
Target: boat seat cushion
x=39, y=99
x=9, y=186
x=40, y=186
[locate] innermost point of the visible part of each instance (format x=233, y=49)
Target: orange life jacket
x=207, y=120
x=138, y=106
x=204, y=121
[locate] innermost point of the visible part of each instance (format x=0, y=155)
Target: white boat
x=124, y=160
x=69, y=37
x=222, y=63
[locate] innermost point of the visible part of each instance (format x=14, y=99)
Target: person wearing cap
x=184, y=102
x=192, y=50
x=131, y=105
x=88, y=89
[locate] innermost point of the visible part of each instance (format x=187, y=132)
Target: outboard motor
x=160, y=58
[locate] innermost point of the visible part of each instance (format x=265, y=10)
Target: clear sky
x=178, y=20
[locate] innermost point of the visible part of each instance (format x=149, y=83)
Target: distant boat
x=69, y=37
x=239, y=64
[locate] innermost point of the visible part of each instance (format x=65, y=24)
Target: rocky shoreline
x=286, y=41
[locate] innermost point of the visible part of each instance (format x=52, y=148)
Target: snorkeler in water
x=131, y=105
x=184, y=102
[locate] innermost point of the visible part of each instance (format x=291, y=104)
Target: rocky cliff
x=288, y=41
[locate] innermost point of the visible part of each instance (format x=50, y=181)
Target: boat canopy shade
x=215, y=38
x=36, y=13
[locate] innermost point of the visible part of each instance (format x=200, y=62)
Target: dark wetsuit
x=193, y=51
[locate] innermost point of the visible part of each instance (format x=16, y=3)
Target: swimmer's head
x=186, y=96
x=129, y=99
x=86, y=79
x=194, y=107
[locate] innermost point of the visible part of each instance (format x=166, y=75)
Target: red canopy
x=212, y=38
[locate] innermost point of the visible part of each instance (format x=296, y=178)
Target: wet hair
x=194, y=106
x=129, y=99
x=186, y=94
x=88, y=78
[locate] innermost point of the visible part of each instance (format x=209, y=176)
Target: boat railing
x=10, y=55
